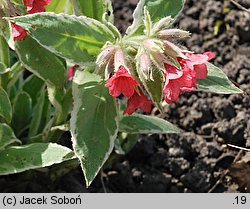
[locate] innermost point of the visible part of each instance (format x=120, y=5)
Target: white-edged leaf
x=217, y=82
x=93, y=123
x=17, y=159
x=143, y=124
x=41, y=62
x=7, y=136
x=78, y=39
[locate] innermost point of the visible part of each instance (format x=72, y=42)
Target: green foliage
x=217, y=82
x=41, y=62
x=3, y=68
x=78, y=39
x=33, y=86
x=16, y=159
x=143, y=124
x=4, y=53
x=158, y=9
x=154, y=87
x=93, y=123
x=62, y=6
x=22, y=112
x=5, y=106
x=95, y=8
x=7, y=136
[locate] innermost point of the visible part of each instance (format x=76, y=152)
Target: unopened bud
x=159, y=59
x=173, y=33
x=144, y=65
x=109, y=68
x=154, y=45
x=162, y=24
x=119, y=59
x=172, y=50
x=106, y=54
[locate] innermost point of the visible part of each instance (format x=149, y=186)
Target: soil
x=197, y=160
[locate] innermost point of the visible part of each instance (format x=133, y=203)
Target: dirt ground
x=197, y=160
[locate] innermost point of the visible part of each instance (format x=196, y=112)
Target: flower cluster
x=121, y=80
x=32, y=6
x=158, y=59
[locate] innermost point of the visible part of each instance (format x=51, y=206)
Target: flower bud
x=159, y=59
x=173, y=33
x=172, y=50
x=154, y=45
x=105, y=55
x=162, y=24
x=119, y=59
x=144, y=65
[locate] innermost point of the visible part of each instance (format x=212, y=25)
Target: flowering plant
x=75, y=72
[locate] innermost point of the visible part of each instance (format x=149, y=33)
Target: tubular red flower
x=192, y=68
x=121, y=83
x=138, y=101
x=18, y=32
x=34, y=6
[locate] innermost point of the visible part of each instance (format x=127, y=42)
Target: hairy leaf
x=144, y=124
x=157, y=9
x=217, y=82
x=16, y=159
x=78, y=39
x=93, y=123
x=41, y=62
x=7, y=136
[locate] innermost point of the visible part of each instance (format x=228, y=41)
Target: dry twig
x=240, y=6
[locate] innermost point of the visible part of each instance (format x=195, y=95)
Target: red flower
x=192, y=68
x=71, y=72
x=138, y=101
x=18, y=32
x=121, y=83
x=34, y=6
x=178, y=85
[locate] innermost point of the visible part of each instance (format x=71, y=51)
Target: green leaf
x=157, y=9
x=37, y=115
x=7, y=34
x=17, y=159
x=93, y=123
x=3, y=68
x=7, y=136
x=5, y=106
x=4, y=52
x=62, y=6
x=22, y=112
x=41, y=62
x=55, y=97
x=95, y=8
x=78, y=39
x=14, y=74
x=33, y=85
x=217, y=82
x=144, y=124
x=154, y=87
